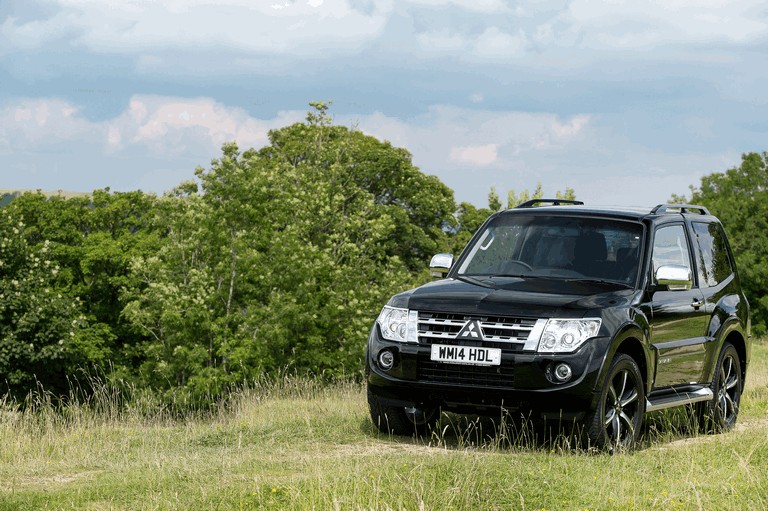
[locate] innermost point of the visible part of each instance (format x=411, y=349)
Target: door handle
x=697, y=304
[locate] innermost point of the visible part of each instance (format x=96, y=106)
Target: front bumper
x=523, y=380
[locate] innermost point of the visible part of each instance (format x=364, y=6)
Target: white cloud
x=42, y=122
x=476, y=97
x=549, y=27
x=450, y=136
x=494, y=30
x=472, y=150
x=157, y=141
x=438, y=42
x=570, y=128
x=169, y=129
x=154, y=144
x=166, y=126
x=482, y=155
x=623, y=24
x=156, y=121
x=485, y=6
x=490, y=44
x=493, y=43
x=132, y=27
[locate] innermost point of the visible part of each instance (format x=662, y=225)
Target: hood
x=512, y=297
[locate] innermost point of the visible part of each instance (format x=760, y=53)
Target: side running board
x=679, y=399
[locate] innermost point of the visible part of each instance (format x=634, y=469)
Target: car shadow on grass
x=505, y=432
x=511, y=432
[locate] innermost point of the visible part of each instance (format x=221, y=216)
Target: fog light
x=386, y=360
x=563, y=372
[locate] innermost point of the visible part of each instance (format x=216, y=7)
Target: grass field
x=295, y=445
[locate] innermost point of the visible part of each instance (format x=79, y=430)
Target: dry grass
x=292, y=444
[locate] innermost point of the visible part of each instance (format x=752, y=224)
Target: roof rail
x=680, y=208
x=554, y=202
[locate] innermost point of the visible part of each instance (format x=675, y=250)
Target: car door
x=678, y=316
x=716, y=276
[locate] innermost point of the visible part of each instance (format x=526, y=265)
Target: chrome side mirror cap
x=675, y=277
x=440, y=265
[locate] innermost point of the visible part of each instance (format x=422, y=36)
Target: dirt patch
x=751, y=424
x=741, y=427
x=383, y=448
x=25, y=482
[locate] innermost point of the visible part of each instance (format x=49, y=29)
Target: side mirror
x=675, y=277
x=440, y=265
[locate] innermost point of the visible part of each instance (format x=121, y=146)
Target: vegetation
x=64, y=266
x=739, y=197
x=272, y=259
x=294, y=444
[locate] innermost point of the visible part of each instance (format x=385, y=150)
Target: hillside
x=8, y=194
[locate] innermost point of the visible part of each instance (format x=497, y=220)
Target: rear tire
x=721, y=412
x=399, y=420
x=615, y=423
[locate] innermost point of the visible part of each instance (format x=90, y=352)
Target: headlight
x=399, y=324
x=567, y=335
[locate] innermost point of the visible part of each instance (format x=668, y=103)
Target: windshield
x=557, y=247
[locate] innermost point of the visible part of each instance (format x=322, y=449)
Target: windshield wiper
x=517, y=275
x=602, y=282
x=473, y=280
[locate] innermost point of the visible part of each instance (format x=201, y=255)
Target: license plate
x=468, y=355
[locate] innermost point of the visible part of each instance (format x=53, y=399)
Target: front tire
x=721, y=412
x=399, y=420
x=615, y=423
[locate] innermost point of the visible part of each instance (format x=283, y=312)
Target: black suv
x=572, y=313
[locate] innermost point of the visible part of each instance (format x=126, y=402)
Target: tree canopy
x=273, y=259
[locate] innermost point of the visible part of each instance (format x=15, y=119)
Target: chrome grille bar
x=442, y=326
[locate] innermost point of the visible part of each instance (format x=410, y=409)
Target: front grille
x=507, y=333
x=443, y=328
x=488, y=376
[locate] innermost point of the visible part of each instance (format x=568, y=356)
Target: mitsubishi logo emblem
x=471, y=330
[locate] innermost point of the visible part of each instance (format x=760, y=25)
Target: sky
x=626, y=102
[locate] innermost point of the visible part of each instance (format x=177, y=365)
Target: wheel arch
x=628, y=341
x=735, y=338
x=634, y=348
x=732, y=330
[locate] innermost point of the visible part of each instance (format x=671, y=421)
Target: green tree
x=494, y=203
x=353, y=163
x=90, y=241
x=739, y=197
x=43, y=333
x=524, y=196
x=282, y=257
x=174, y=299
x=469, y=218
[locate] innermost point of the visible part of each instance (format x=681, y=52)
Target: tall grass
x=294, y=443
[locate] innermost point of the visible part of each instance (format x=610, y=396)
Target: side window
x=713, y=262
x=670, y=246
